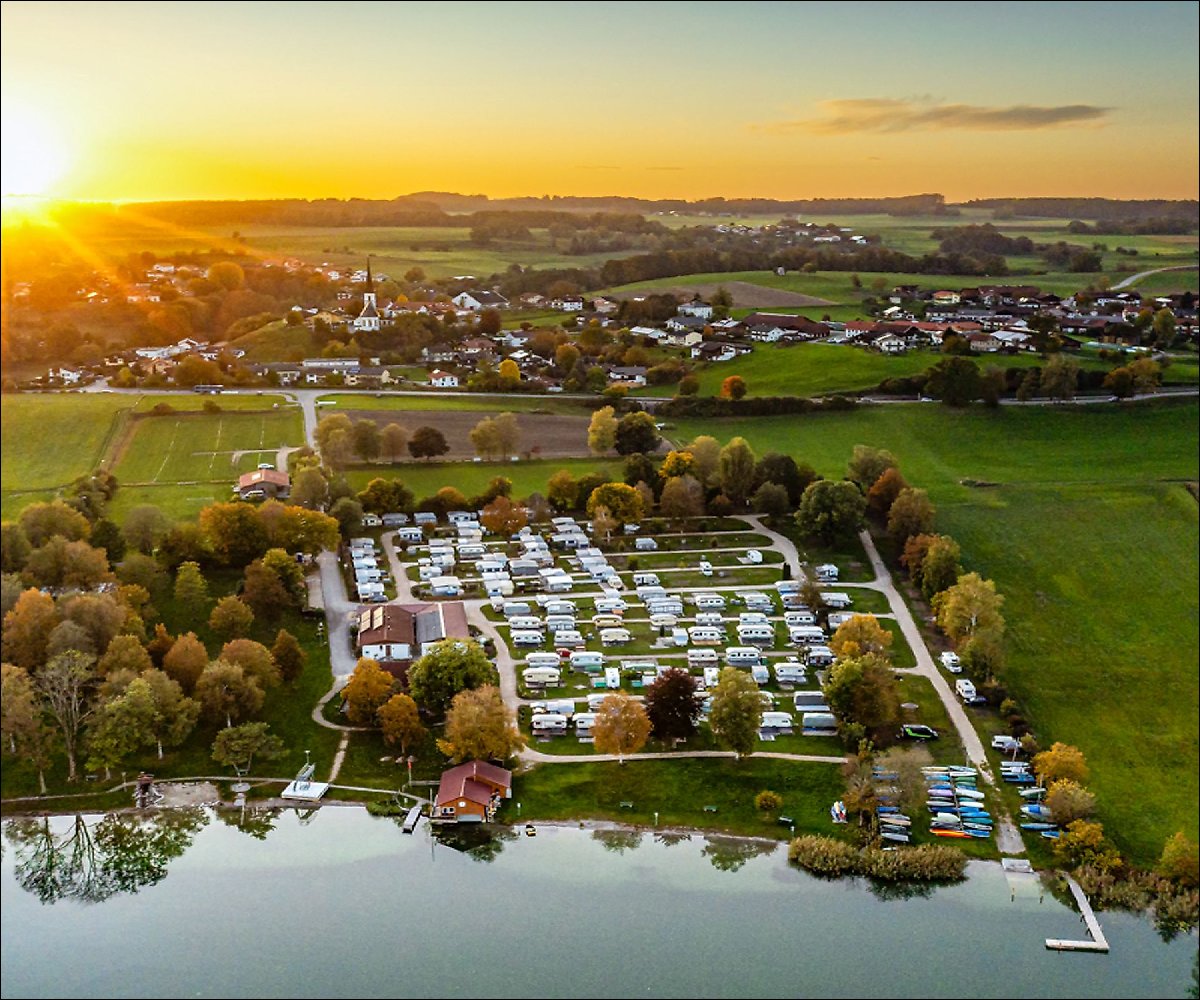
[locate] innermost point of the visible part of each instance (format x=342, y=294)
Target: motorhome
x=709, y=602
x=612, y=678
x=777, y=720
x=527, y=637
x=541, y=676
x=742, y=656
x=758, y=634
x=712, y=675
x=702, y=658
x=702, y=635
x=549, y=722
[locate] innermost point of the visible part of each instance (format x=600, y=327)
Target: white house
x=476, y=300
x=891, y=343
x=568, y=303
x=443, y=380
x=697, y=307
x=368, y=320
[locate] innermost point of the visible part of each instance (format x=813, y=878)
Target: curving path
x=1133, y=279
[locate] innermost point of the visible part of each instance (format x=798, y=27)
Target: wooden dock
x=1097, y=942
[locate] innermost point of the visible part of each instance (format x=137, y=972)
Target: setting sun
x=32, y=156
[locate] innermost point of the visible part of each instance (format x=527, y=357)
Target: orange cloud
x=885, y=114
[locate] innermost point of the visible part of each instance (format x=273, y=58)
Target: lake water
x=338, y=903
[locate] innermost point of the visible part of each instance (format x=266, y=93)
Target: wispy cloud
x=886, y=114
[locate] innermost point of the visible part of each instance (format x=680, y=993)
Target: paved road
x=1134, y=278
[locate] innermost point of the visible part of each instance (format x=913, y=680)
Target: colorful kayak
x=1039, y=826
x=960, y=834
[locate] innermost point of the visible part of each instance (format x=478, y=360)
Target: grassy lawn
x=426, y=478
x=77, y=424
x=516, y=403
x=1096, y=554
x=678, y=791
x=822, y=369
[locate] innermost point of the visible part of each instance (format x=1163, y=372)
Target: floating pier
x=1098, y=941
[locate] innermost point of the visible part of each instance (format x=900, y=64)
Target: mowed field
x=426, y=478
x=202, y=447
x=492, y=403
x=541, y=434
x=1093, y=540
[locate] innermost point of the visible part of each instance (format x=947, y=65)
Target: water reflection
x=93, y=858
x=618, y=841
x=477, y=842
x=728, y=854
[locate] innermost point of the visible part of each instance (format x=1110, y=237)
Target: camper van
x=706, y=658
x=615, y=636
x=806, y=635
x=650, y=591
x=542, y=660
x=567, y=638
x=818, y=724
x=820, y=656
x=612, y=678
x=754, y=557
x=742, y=656
x=965, y=689
x=757, y=601
x=712, y=675
x=702, y=635
x=757, y=634
x=527, y=637
x=588, y=661
x=777, y=720
x=761, y=674
x=607, y=621
x=541, y=676
x=790, y=672
x=706, y=568
x=549, y=723
x=951, y=662
x=826, y=572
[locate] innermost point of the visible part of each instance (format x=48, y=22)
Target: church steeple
x=370, y=280
x=368, y=319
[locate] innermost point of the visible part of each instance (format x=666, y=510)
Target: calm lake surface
x=342, y=904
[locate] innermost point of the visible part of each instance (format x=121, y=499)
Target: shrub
x=835, y=858
x=768, y=801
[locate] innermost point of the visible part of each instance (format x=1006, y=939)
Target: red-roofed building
x=471, y=793
x=262, y=484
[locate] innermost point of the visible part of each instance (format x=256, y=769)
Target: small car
x=917, y=732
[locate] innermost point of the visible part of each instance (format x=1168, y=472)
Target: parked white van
x=706, y=568
x=615, y=636
x=702, y=635
x=702, y=658
x=965, y=689
x=586, y=660
x=549, y=722
x=951, y=662
x=527, y=637
x=542, y=660
x=742, y=656
x=541, y=676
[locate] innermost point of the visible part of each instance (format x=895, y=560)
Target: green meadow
x=1080, y=516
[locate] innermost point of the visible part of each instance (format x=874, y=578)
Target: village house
x=567, y=303
x=714, y=351
x=628, y=374
x=443, y=380
x=698, y=308
x=471, y=793
x=478, y=299
x=983, y=343
x=368, y=320
x=685, y=324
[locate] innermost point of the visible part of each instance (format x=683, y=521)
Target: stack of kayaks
x=955, y=803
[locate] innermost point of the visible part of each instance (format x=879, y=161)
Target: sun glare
x=32, y=155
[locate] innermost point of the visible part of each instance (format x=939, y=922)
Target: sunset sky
x=131, y=101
